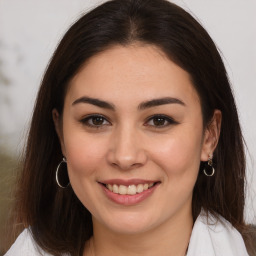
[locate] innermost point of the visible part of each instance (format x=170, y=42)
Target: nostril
x=126, y=158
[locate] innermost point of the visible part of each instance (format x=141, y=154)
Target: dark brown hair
x=57, y=219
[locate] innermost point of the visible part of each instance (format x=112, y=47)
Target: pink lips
x=127, y=182
x=128, y=199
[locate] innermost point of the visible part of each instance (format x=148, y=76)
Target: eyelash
x=85, y=121
x=169, y=120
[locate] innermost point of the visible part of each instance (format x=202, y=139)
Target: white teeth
x=115, y=188
x=140, y=188
x=145, y=186
x=129, y=190
x=110, y=187
x=132, y=190
x=122, y=190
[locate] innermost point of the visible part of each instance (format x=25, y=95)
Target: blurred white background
x=31, y=29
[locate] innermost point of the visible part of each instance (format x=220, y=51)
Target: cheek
x=180, y=153
x=84, y=153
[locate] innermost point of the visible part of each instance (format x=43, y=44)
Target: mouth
x=128, y=192
x=131, y=189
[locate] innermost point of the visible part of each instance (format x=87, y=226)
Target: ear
x=58, y=128
x=211, y=135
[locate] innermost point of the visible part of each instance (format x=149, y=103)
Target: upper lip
x=128, y=182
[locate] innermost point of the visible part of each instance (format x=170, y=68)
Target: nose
x=126, y=150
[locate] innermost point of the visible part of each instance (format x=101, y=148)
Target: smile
x=129, y=190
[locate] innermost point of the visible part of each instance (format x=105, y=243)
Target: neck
x=171, y=238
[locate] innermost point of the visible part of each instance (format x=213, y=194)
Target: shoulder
x=25, y=245
x=214, y=237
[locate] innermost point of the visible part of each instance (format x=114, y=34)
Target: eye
x=95, y=121
x=160, y=121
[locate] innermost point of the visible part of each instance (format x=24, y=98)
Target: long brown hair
x=57, y=219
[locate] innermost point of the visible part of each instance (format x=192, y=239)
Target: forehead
x=131, y=73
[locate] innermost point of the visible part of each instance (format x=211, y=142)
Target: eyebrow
x=142, y=106
x=159, y=102
x=96, y=102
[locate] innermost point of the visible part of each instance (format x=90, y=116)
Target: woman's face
x=132, y=133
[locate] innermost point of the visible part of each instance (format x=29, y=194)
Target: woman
x=137, y=105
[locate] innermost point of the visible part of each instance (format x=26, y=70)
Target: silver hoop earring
x=64, y=177
x=209, y=167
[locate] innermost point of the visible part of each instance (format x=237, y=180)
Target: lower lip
x=129, y=199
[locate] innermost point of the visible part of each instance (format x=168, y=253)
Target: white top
x=212, y=238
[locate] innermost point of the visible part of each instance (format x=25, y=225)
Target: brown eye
x=95, y=121
x=160, y=121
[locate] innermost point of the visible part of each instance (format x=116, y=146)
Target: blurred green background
x=8, y=167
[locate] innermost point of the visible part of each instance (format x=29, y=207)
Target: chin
x=129, y=223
